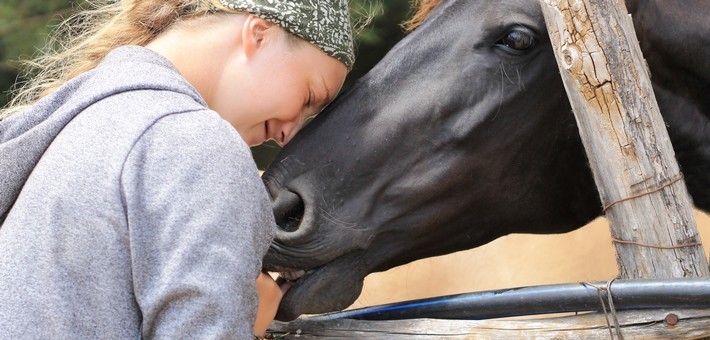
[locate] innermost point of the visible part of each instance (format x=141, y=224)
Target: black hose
x=548, y=299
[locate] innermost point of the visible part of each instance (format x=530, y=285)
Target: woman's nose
x=285, y=132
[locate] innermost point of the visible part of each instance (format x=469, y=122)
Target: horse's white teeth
x=293, y=276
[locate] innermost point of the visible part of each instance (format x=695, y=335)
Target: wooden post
x=630, y=153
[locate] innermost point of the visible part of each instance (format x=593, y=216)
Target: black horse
x=463, y=133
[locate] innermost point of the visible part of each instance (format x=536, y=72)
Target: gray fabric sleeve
x=199, y=225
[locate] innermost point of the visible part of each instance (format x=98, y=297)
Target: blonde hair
x=79, y=43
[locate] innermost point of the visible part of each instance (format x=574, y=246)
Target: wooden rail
x=657, y=324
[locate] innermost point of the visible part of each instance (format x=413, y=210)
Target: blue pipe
x=547, y=299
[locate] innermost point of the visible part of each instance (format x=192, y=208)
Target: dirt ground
x=586, y=254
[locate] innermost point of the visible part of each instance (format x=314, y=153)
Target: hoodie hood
x=24, y=137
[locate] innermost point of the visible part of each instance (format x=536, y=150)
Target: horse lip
x=280, y=258
x=324, y=289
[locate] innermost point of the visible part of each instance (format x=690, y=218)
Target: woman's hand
x=270, y=295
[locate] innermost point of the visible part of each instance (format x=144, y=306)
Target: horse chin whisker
x=330, y=217
x=338, y=223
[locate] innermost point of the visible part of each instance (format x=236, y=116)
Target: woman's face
x=271, y=90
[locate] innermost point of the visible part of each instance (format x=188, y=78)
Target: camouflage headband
x=324, y=23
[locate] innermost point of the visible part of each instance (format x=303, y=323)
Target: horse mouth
x=330, y=287
x=324, y=276
x=293, y=276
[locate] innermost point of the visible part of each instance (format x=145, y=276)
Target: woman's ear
x=256, y=33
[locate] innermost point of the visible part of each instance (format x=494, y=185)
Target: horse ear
x=256, y=33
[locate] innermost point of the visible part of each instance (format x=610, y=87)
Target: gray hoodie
x=130, y=210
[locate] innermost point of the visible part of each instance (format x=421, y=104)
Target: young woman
x=129, y=201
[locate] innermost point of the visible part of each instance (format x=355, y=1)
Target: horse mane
x=423, y=8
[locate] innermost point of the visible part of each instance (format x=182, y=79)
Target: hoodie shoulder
x=25, y=137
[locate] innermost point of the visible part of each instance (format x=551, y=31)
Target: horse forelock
x=423, y=9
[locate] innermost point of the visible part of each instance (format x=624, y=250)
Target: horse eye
x=517, y=40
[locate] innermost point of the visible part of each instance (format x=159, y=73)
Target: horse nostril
x=288, y=211
x=295, y=225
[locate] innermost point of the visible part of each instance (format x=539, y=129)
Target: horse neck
x=681, y=90
x=689, y=128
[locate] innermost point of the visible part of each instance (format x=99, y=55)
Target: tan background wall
x=586, y=254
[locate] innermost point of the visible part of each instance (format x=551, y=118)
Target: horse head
x=463, y=133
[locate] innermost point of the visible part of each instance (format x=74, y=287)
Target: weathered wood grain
x=627, y=144
x=690, y=324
